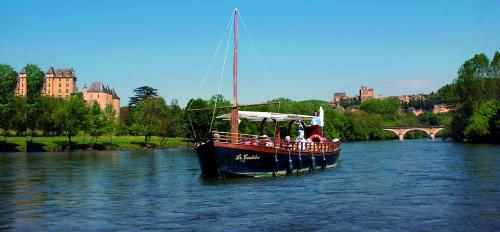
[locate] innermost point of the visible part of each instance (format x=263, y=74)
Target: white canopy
x=270, y=116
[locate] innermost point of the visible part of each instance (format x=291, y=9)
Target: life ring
x=316, y=138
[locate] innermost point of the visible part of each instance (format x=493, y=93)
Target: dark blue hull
x=240, y=160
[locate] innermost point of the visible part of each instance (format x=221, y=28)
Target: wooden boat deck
x=271, y=143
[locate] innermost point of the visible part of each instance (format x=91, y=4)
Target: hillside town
x=343, y=102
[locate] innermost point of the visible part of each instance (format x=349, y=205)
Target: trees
x=380, y=106
x=484, y=124
x=199, y=123
x=47, y=122
x=8, y=81
x=147, y=116
x=18, y=122
x=72, y=116
x=171, y=123
x=110, y=121
x=34, y=78
x=336, y=124
x=95, y=123
x=471, y=92
x=364, y=126
x=495, y=65
x=140, y=94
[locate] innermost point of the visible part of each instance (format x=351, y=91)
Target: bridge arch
x=401, y=131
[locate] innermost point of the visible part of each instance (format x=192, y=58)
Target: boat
x=233, y=154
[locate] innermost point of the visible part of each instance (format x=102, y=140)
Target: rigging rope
x=259, y=59
x=216, y=51
x=255, y=48
x=192, y=128
x=209, y=69
x=220, y=78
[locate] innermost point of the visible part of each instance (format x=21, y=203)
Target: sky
x=295, y=49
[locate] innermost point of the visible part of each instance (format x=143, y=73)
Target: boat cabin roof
x=270, y=116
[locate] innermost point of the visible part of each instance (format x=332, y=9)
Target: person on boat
x=255, y=140
x=316, y=120
x=300, y=131
x=300, y=136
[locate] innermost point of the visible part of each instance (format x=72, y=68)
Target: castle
x=61, y=83
x=365, y=93
x=103, y=95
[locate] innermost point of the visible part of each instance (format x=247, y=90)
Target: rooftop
x=99, y=87
x=61, y=72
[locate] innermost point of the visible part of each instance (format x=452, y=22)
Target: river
x=406, y=185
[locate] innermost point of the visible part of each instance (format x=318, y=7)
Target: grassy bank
x=83, y=143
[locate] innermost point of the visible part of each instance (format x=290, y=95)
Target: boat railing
x=281, y=144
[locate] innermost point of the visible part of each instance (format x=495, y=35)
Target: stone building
x=337, y=97
x=21, y=87
x=103, y=95
x=365, y=93
x=441, y=108
x=408, y=98
x=60, y=82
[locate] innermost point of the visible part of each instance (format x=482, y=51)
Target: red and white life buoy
x=316, y=138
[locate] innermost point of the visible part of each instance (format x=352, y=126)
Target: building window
x=59, y=90
x=67, y=84
x=67, y=90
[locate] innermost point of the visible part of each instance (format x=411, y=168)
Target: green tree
x=72, y=116
x=147, y=116
x=495, y=65
x=484, y=124
x=125, y=115
x=8, y=81
x=428, y=119
x=171, y=123
x=96, y=124
x=18, y=122
x=381, y=106
x=336, y=124
x=35, y=81
x=141, y=94
x=47, y=122
x=365, y=126
x=200, y=123
x=475, y=84
x=110, y=121
x=448, y=94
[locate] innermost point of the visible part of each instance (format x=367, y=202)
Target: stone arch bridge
x=401, y=130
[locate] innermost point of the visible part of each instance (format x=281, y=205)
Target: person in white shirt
x=316, y=120
x=300, y=131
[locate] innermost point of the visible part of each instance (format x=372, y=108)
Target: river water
x=381, y=185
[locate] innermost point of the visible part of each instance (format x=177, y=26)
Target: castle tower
x=60, y=82
x=21, y=87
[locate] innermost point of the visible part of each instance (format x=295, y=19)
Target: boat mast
x=234, y=112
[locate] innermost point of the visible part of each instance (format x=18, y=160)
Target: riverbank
x=60, y=143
